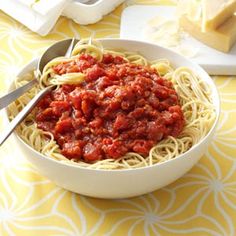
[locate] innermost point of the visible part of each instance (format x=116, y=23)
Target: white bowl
x=125, y=183
x=89, y=12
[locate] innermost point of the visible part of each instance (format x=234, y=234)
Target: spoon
x=57, y=49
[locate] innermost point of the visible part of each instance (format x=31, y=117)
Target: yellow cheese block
x=191, y=8
x=221, y=39
x=216, y=12
x=210, y=14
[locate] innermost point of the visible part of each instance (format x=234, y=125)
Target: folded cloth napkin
x=38, y=15
x=41, y=15
x=43, y=7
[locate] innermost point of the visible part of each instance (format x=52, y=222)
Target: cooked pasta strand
x=194, y=96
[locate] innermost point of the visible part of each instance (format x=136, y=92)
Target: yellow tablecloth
x=203, y=202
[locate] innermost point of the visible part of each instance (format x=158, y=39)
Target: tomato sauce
x=120, y=107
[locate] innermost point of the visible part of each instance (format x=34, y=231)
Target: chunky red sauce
x=119, y=108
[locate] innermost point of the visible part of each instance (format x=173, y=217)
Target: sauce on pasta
x=120, y=107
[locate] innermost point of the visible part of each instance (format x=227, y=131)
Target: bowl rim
x=209, y=80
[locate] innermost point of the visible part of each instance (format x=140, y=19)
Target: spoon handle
x=20, y=117
x=70, y=48
x=12, y=96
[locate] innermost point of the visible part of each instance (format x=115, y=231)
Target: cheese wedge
x=216, y=12
x=191, y=8
x=221, y=39
x=210, y=14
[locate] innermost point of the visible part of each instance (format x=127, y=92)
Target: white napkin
x=43, y=7
x=38, y=15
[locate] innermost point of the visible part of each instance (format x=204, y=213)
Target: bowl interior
x=151, y=52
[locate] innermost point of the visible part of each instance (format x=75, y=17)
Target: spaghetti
x=194, y=97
